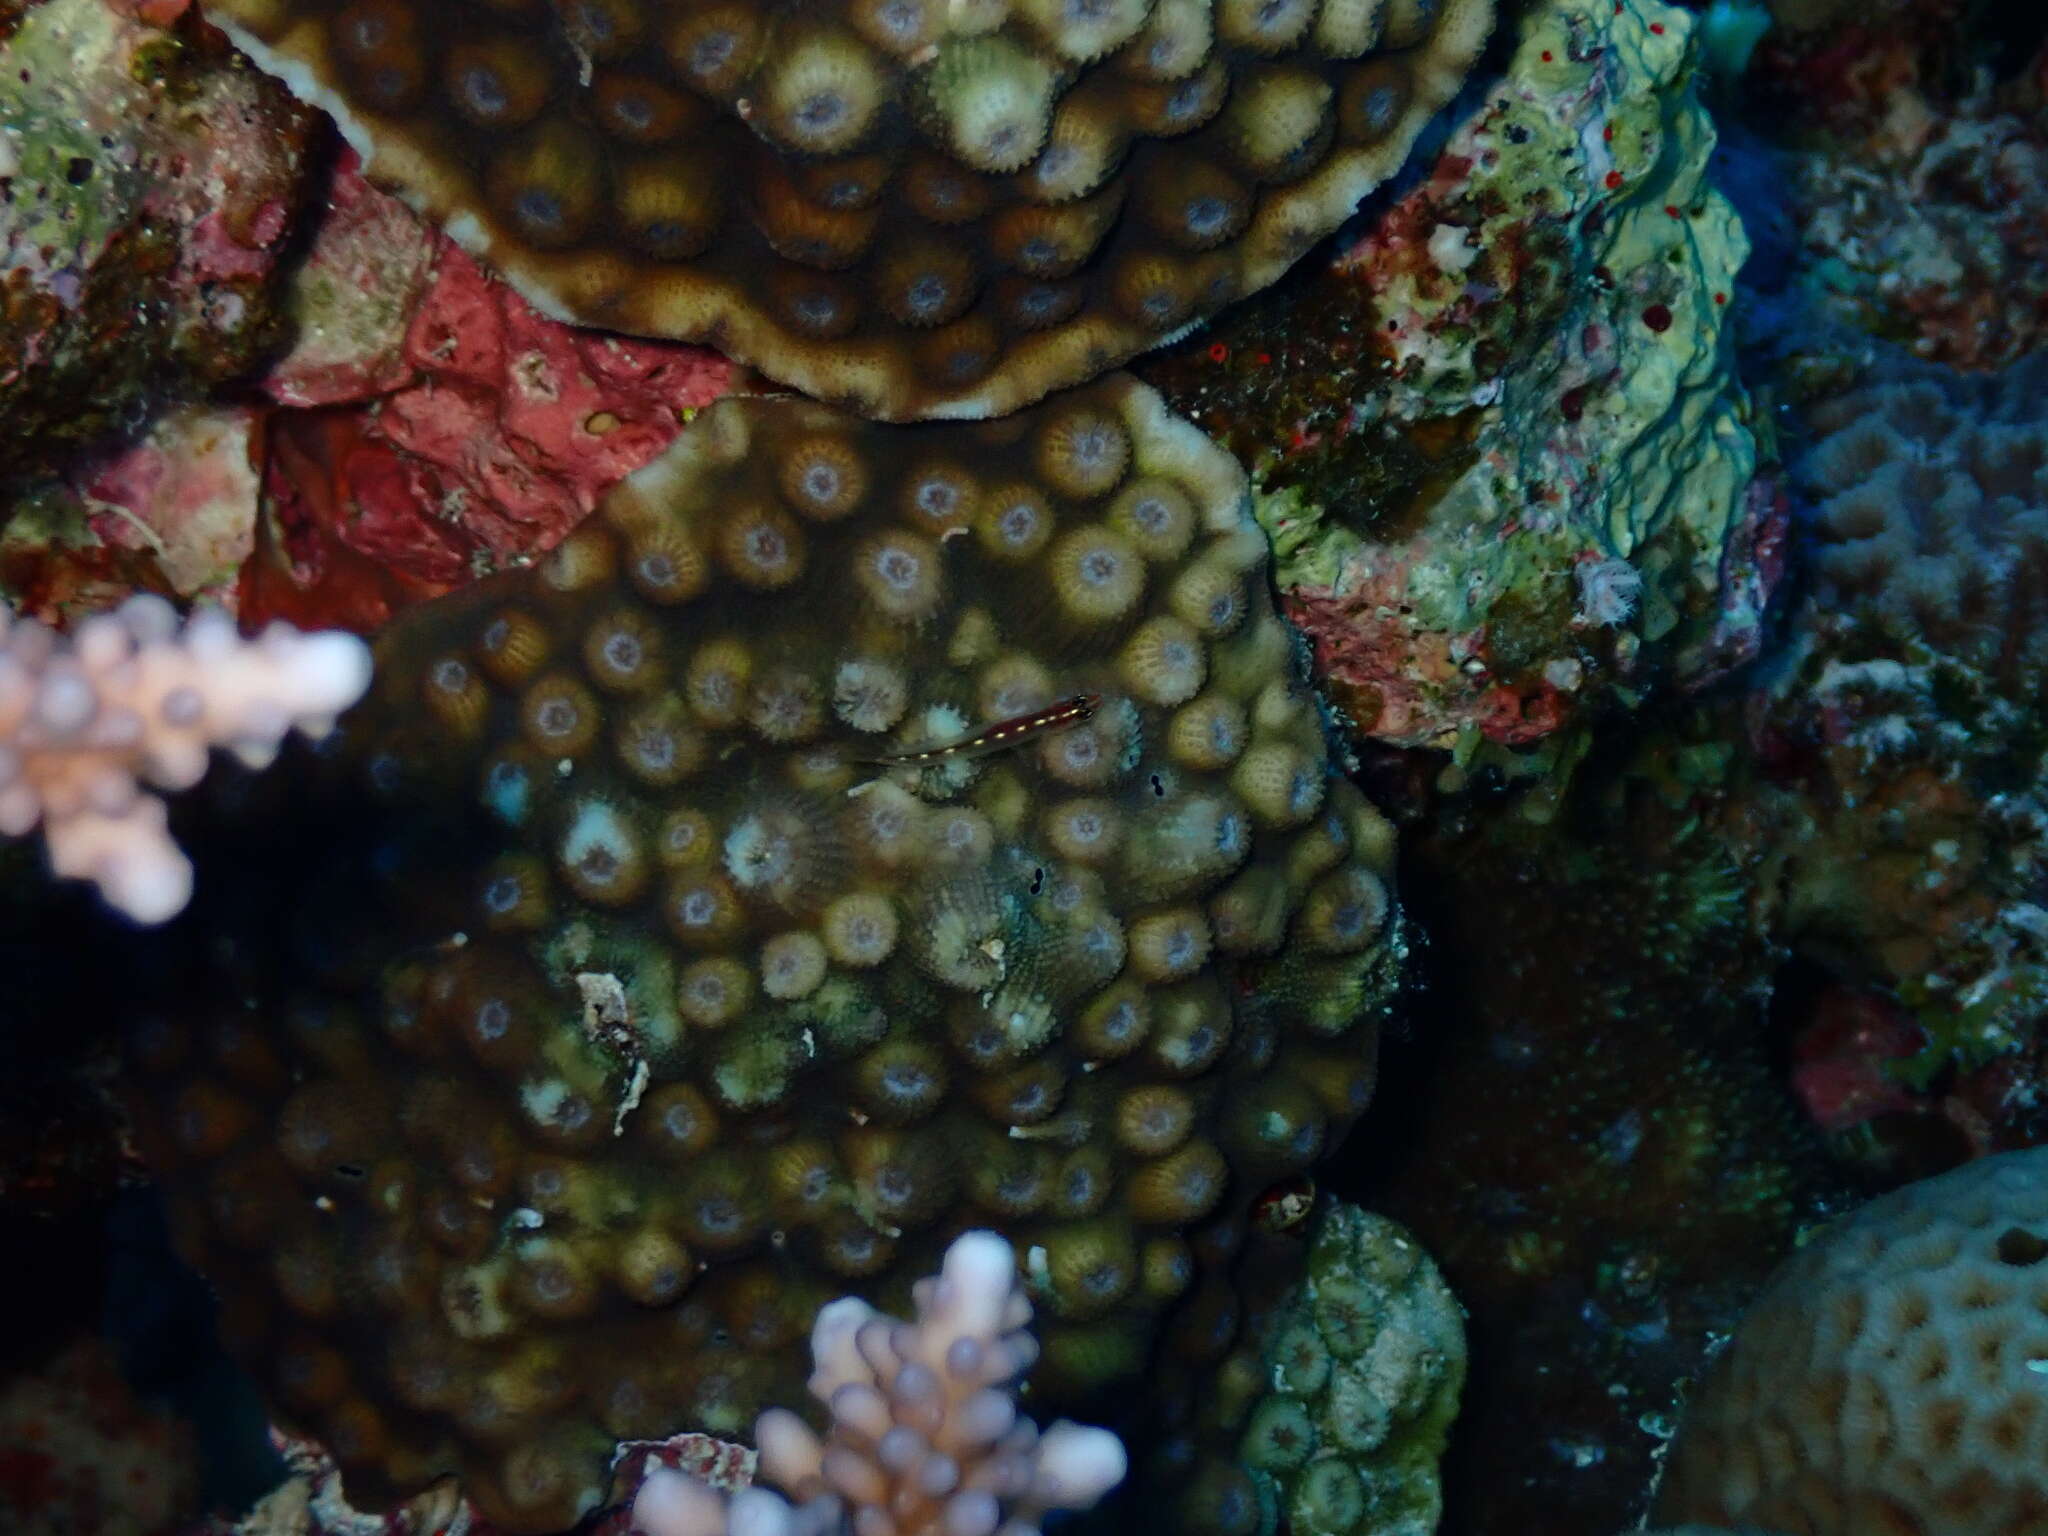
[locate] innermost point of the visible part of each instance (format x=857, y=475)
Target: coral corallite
x=923, y=207
x=1328, y=1413
x=693, y=989
x=1890, y=1376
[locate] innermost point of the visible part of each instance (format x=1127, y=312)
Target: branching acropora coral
x=134, y=698
x=924, y=1438
x=916, y=208
x=713, y=980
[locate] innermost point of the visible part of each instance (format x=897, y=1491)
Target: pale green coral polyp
x=1362, y=1367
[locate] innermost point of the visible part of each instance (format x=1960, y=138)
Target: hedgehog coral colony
x=790, y=902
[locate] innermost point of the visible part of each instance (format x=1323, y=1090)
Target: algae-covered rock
x=1565, y=275
x=1502, y=454
x=151, y=182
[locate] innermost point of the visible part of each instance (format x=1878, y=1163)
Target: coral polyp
x=913, y=209
x=707, y=978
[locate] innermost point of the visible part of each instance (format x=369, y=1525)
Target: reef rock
x=79, y=1452
x=1899, y=740
x=151, y=182
x=433, y=426
x=1505, y=463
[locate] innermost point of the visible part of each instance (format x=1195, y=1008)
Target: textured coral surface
x=182, y=495
x=79, y=1454
x=1889, y=1379
x=1931, y=519
x=912, y=207
x=539, y=1056
x=1904, y=734
x=667, y=963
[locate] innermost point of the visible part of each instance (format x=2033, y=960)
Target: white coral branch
x=133, y=698
x=925, y=1439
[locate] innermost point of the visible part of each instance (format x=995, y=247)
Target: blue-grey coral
x=1911, y=693
x=1930, y=524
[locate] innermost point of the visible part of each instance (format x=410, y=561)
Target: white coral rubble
x=925, y=1439
x=133, y=698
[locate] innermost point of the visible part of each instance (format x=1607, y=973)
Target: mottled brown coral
x=911, y=207
x=722, y=1011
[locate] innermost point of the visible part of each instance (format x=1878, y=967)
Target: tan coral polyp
x=868, y=206
x=721, y=995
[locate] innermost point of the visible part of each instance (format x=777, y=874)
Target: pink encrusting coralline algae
x=131, y=698
x=925, y=1439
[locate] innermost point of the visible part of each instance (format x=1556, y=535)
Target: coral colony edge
x=993, y=767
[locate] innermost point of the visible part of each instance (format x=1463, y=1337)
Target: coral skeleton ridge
x=910, y=207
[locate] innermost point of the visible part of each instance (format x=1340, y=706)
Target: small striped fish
x=1003, y=734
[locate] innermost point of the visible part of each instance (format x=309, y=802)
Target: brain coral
x=1931, y=494
x=701, y=990
x=1891, y=1377
x=915, y=207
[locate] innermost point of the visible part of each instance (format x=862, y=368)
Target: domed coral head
x=753, y=936
x=915, y=209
